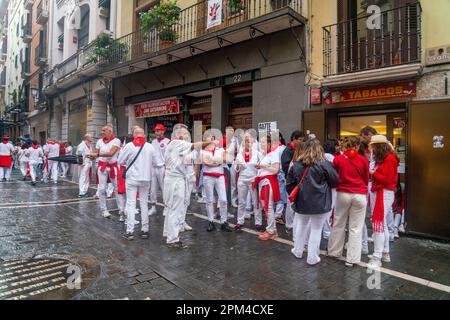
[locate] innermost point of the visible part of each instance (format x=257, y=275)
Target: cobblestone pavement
x=49, y=219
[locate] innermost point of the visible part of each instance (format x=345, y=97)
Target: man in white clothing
x=177, y=161
x=51, y=150
x=107, y=151
x=159, y=144
x=137, y=157
x=34, y=155
x=6, y=153
x=84, y=150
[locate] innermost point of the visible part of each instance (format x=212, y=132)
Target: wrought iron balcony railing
x=42, y=12
x=357, y=45
x=192, y=24
x=40, y=56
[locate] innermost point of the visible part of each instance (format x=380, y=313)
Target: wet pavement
x=48, y=221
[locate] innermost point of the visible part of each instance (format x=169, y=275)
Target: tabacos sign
x=390, y=91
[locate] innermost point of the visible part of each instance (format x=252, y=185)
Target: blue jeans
x=282, y=183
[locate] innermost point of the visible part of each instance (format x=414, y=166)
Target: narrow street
x=49, y=221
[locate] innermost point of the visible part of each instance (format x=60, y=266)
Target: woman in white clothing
x=245, y=165
x=23, y=160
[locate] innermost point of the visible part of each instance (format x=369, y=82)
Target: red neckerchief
x=139, y=141
x=52, y=142
x=247, y=156
x=212, y=151
x=292, y=146
x=352, y=153
x=5, y=141
x=106, y=141
x=160, y=139
x=34, y=147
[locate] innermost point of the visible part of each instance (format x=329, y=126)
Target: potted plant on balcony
x=162, y=19
x=237, y=6
x=107, y=50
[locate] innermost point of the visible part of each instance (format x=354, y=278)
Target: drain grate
x=33, y=278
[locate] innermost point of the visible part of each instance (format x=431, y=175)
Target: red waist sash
x=112, y=166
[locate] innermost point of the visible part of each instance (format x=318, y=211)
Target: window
x=83, y=33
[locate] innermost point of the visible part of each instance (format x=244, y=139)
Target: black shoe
x=211, y=227
x=225, y=227
x=178, y=245
x=144, y=235
x=128, y=236
x=33, y=183
x=24, y=179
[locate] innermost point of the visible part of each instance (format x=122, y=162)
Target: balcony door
x=394, y=41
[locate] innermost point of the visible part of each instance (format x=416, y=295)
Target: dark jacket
x=314, y=195
x=286, y=158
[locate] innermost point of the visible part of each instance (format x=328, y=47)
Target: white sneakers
x=121, y=217
x=106, y=214
x=401, y=228
x=201, y=200
x=396, y=235
x=374, y=263
x=152, y=211
x=185, y=227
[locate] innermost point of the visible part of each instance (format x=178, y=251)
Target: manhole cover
x=45, y=278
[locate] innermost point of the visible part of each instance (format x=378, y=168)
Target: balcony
x=139, y=50
x=28, y=4
x=25, y=69
x=42, y=12
x=48, y=79
x=40, y=56
x=26, y=33
x=352, y=50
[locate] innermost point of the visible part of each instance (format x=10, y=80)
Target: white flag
x=214, y=13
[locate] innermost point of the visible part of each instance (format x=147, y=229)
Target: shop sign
x=398, y=90
x=316, y=96
x=214, y=13
x=267, y=127
x=156, y=108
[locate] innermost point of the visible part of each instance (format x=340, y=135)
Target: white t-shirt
x=209, y=156
x=6, y=149
x=35, y=155
x=83, y=150
x=22, y=155
x=69, y=150
x=160, y=148
x=106, y=147
x=141, y=170
x=52, y=150
x=177, y=157
x=268, y=160
x=247, y=170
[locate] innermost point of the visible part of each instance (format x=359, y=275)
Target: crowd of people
x=33, y=160
x=315, y=191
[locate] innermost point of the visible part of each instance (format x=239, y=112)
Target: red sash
x=112, y=166
x=5, y=161
x=216, y=175
x=264, y=192
x=121, y=181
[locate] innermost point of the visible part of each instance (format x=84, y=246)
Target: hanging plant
x=107, y=49
x=237, y=6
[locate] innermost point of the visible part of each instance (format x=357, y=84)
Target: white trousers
x=84, y=178
x=244, y=188
x=289, y=216
x=233, y=185
x=301, y=222
x=121, y=200
x=102, y=186
x=157, y=183
x=23, y=168
x=5, y=173
x=33, y=166
x=64, y=168
x=381, y=240
x=327, y=224
x=174, y=196
x=352, y=208
x=133, y=187
x=209, y=185
x=52, y=171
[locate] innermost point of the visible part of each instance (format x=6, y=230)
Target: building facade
x=388, y=69
x=77, y=97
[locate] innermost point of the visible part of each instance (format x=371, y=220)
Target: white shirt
x=160, y=148
x=177, y=157
x=141, y=170
x=83, y=150
x=35, y=155
x=69, y=150
x=52, y=150
x=247, y=170
x=268, y=160
x=6, y=149
x=22, y=155
x=106, y=147
x=208, y=156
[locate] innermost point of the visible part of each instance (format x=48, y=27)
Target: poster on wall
x=265, y=128
x=156, y=108
x=214, y=13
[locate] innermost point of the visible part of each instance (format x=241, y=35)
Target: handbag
x=124, y=173
x=294, y=194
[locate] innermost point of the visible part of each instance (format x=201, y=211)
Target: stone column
x=219, y=108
